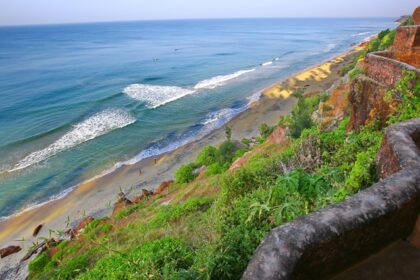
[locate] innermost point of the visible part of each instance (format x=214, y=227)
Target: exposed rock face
x=4, y=252
x=278, y=136
x=367, y=99
x=163, y=186
x=331, y=112
x=75, y=231
x=416, y=15
x=240, y=162
x=332, y=239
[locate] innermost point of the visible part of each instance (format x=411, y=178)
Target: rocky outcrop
x=332, y=111
x=320, y=244
x=4, y=252
x=163, y=187
x=367, y=97
x=240, y=162
x=73, y=232
x=278, y=136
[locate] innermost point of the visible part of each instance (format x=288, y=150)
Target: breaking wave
x=155, y=96
x=267, y=63
x=220, y=80
x=92, y=127
x=329, y=47
x=360, y=34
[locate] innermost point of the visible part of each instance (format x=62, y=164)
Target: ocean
x=79, y=100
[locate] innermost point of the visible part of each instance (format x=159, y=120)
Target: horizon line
x=187, y=19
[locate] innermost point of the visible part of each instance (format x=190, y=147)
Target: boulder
x=7, y=251
x=37, y=230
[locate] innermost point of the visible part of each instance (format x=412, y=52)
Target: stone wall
x=330, y=240
x=383, y=68
x=407, y=37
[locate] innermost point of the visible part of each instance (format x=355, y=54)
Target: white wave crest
x=220, y=80
x=155, y=96
x=329, y=47
x=360, y=34
x=267, y=63
x=94, y=126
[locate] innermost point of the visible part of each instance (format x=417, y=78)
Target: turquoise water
x=77, y=100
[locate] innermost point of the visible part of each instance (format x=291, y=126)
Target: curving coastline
x=95, y=195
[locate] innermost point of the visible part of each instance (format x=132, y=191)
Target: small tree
x=228, y=132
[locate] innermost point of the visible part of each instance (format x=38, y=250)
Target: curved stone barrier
x=383, y=67
x=325, y=242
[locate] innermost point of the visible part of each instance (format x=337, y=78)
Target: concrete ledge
x=325, y=242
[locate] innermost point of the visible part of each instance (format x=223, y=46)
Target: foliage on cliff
x=207, y=225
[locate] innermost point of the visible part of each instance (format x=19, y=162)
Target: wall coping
x=332, y=239
x=380, y=56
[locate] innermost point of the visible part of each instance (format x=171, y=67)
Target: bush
x=265, y=130
x=207, y=156
x=407, y=92
x=215, y=169
x=301, y=114
x=185, y=173
x=226, y=152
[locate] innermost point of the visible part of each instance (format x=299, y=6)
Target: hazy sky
x=15, y=12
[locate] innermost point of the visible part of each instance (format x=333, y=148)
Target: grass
x=211, y=223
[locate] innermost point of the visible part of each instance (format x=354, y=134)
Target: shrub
x=185, y=173
x=407, y=92
x=228, y=133
x=265, y=130
x=226, y=152
x=301, y=114
x=215, y=169
x=207, y=156
x=387, y=40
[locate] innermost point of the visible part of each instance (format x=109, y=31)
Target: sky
x=26, y=12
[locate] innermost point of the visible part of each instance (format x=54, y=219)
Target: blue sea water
x=76, y=100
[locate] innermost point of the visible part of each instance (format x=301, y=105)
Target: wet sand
x=96, y=197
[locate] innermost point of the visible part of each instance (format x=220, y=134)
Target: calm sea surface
x=77, y=100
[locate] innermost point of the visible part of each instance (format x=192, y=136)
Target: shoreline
x=97, y=195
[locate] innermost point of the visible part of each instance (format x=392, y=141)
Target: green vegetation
x=185, y=173
x=207, y=227
x=382, y=42
x=300, y=118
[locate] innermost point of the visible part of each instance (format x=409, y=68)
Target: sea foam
x=92, y=127
x=329, y=47
x=220, y=80
x=267, y=63
x=154, y=95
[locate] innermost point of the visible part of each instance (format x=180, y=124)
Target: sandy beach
x=96, y=197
